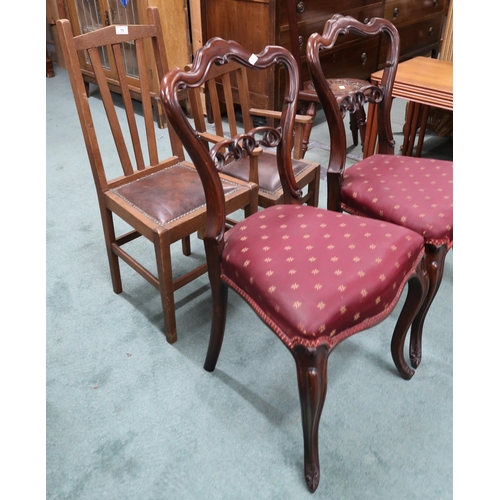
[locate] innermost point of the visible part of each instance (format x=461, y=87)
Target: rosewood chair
x=225, y=86
x=415, y=193
x=341, y=87
x=158, y=198
x=313, y=276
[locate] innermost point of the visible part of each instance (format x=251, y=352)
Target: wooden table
x=424, y=82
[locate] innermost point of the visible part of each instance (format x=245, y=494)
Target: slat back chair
x=228, y=93
x=313, y=276
x=416, y=193
x=160, y=198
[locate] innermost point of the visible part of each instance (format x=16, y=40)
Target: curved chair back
x=343, y=25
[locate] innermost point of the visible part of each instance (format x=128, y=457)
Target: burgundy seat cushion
x=317, y=276
x=413, y=192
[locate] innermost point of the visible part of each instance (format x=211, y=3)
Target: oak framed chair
x=228, y=94
x=416, y=193
x=160, y=199
x=313, y=276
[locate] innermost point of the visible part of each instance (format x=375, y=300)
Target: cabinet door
x=125, y=12
x=89, y=15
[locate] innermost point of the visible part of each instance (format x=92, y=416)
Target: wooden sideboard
x=257, y=23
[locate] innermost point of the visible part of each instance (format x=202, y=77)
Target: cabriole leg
x=434, y=264
x=417, y=289
x=312, y=379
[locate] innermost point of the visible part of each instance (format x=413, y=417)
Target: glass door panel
x=126, y=12
x=90, y=18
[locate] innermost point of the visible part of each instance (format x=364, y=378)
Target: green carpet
x=130, y=417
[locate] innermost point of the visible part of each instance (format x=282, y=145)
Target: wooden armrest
x=207, y=136
x=302, y=119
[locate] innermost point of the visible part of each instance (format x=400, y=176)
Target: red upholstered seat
x=412, y=192
x=415, y=193
x=313, y=276
x=316, y=276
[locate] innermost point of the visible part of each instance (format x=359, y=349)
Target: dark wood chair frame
x=335, y=112
x=311, y=360
x=224, y=87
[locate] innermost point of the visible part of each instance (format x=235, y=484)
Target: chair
x=313, y=276
x=225, y=86
x=341, y=87
x=163, y=200
x=412, y=192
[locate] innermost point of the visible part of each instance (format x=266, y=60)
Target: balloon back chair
x=313, y=276
x=158, y=198
x=415, y=193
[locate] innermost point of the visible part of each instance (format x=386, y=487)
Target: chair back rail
x=142, y=153
x=341, y=25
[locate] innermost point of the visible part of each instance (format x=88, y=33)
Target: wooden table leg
x=410, y=107
x=414, y=128
x=423, y=126
x=49, y=68
x=371, y=132
x=410, y=128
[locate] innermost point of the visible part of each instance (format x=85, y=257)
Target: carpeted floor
x=130, y=417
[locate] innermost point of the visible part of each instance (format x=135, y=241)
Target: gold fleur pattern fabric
x=412, y=192
x=316, y=276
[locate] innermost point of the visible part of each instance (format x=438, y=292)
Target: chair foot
x=171, y=336
x=312, y=477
